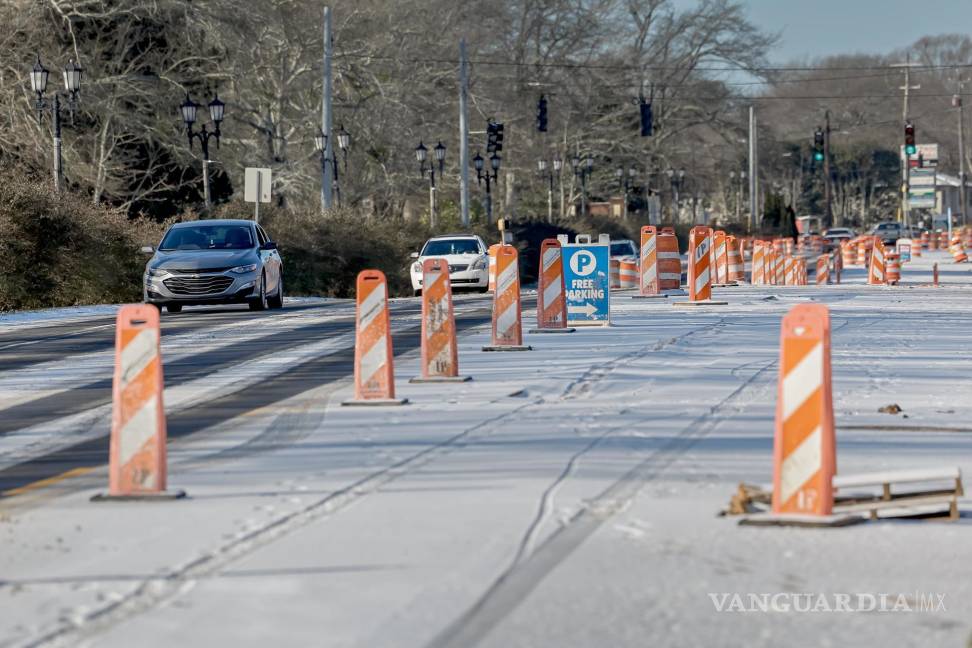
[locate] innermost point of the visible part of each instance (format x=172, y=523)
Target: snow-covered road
x=565, y=497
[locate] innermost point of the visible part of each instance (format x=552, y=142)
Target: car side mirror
x=148, y=249
x=414, y=255
x=269, y=245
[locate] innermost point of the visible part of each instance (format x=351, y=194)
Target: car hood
x=453, y=259
x=202, y=259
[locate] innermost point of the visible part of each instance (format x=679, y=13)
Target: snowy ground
x=565, y=497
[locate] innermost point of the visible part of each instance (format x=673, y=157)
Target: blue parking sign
x=587, y=280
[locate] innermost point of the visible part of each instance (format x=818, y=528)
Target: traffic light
x=910, y=147
x=818, y=145
x=494, y=137
x=542, y=114
x=646, y=125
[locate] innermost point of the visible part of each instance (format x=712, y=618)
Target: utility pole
x=753, y=197
x=463, y=134
x=828, y=210
x=326, y=188
x=963, y=193
x=906, y=159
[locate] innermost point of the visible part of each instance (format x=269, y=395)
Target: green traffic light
x=818, y=156
x=911, y=149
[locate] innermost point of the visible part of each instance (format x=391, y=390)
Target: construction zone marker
x=669, y=261
x=137, y=455
x=823, y=270
x=876, y=273
x=649, y=285
x=440, y=357
x=700, y=270
x=551, y=294
x=374, y=371
x=720, y=265
x=507, y=331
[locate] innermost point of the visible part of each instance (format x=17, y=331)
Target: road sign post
x=256, y=189
x=586, y=277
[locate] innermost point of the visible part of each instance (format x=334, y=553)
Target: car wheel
x=174, y=308
x=483, y=290
x=277, y=300
x=417, y=293
x=260, y=303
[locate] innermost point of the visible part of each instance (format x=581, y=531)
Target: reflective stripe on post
x=649, y=261
x=491, y=252
x=779, y=269
x=804, y=459
x=699, y=275
x=876, y=274
x=507, y=332
x=551, y=297
x=137, y=454
x=790, y=271
x=374, y=372
x=440, y=358
x=758, y=272
x=720, y=267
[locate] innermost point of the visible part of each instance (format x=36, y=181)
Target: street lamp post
x=737, y=190
x=344, y=143
x=625, y=183
x=72, y=86
x=583, y=170
x=216, y=110
x=422, y=154
x=489, y=175
x=677, y=178
x=547, y=173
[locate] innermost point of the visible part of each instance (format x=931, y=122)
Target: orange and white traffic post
x=823, y=269
x=551, y=292
x=758, y=275
x=804, y=449
x=507, y=330
x=780, y=269
x=720, y=261
x=440, y=356
x=876, y=273
x=137, y=455
x=374, y=371
x=700, y=270
x=648, y=286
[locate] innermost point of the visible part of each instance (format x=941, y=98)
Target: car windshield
x=443, y=247
x=623, y=248
x=208, y=237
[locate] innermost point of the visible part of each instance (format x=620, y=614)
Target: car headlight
x=244, y=268
x=156, y=272
x=479, y=264
x=416, y=267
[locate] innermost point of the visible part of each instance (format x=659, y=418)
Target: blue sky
x=816, y=28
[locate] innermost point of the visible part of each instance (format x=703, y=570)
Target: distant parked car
x=835, y=235
x=889, y=233
x=214, y=262
x=466, y=256
x=623, y=248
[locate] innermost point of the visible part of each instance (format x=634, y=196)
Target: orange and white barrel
x=615, y=277
x=628, y=271
x=877, y=272
x=823, y=269
x=957, y=249
x=507, y=330
x=669, y=261
x=893, y=267
x=862, y=252
x=374, y=371
x=649, y=261
x=440, y=357
x=551, y=297
x=137, y=452
x=943, y=240
x=848, y=253
x=932, y=241
x=736, y=266
x=700, y=272
x=804, y=449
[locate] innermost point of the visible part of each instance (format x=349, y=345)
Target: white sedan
x=466, y=255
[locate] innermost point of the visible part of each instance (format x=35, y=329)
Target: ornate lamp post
x=548, y=172
x=72, y=86
x=320, y=144
x=583, y=170
x=422, y=154
x=216, y=110
x=489, y=175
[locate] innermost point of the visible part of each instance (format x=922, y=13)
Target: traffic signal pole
x=828, y=211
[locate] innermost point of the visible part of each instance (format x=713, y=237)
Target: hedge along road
x=90, y=453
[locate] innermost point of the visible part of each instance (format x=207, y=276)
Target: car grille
x=198, y=286
x=458, y=268
x=192, y=271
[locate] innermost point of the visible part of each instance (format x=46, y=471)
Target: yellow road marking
x=74, y=472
